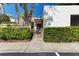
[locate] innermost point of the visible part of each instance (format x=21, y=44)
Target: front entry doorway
x=39, y=25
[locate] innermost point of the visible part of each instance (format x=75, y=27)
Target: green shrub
x=10, y=33
x=4, y=18
x=61, y=34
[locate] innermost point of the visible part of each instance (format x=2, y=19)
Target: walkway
x=38, y=45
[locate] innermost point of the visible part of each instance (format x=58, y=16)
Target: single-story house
x=61, y=16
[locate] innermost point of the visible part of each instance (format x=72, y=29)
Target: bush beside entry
x=10, y=33
x=4, y=18
x=61, y=34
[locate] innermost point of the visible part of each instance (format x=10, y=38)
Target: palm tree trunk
x=30, y=17
x=17, y=14
x=24, y=6
x=2, y=8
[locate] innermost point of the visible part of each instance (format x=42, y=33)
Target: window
x=74, y=20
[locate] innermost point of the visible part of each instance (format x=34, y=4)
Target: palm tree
x=31, y=10
x=2, y=8
x=17, y=14
x=16, y=8
x=30, y=16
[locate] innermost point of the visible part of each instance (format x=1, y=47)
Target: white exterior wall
x=60, y=15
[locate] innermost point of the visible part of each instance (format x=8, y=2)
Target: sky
x=37, y=12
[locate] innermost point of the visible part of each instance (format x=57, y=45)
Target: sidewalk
x=38, y=45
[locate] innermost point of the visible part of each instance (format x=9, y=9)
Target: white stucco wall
x=60, y=15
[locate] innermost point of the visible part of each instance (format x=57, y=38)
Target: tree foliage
x=4, y=18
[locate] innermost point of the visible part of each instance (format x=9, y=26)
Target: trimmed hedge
x=61, y=34
x=10, y=33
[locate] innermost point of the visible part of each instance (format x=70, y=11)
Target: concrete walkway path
x=38, y=45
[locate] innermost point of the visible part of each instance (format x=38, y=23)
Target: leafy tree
x=27, y=13
x=4, y=18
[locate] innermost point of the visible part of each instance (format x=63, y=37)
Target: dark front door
x=74, y=20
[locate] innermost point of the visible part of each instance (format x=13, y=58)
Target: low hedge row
x=61, y=34
x=14, y=33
